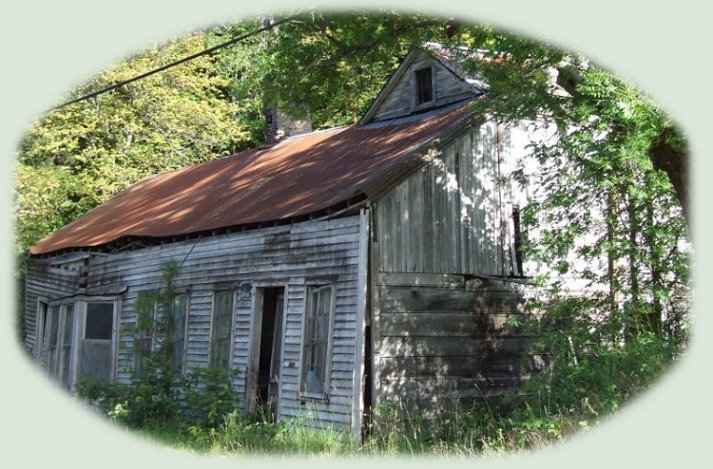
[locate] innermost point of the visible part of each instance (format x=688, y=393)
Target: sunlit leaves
x=79, y=156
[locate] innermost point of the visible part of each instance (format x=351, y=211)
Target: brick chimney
x=279, y=125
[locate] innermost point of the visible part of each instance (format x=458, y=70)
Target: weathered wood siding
x=439, y=338
x=442, y=339
x=448, y=88
x=292, y=256
x=453, y=215
x=45, y=280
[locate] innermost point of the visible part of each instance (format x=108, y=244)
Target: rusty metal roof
x=298, y=176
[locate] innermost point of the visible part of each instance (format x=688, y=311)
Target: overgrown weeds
x=596, y=367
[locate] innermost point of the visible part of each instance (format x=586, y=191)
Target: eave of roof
x=298, y=176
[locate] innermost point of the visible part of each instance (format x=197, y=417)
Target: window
x=41, y=325
x=222, y=327
x=424, y=85
x=51, y=339
x=67, y=346
x=518, y=239
x=57, y=340
x=177, y=332
x=146, y=318
x=314, y=377
x=77, y=340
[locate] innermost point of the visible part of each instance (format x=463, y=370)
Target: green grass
x=477, y=431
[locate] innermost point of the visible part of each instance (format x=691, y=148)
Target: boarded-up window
x=97, y=355
x=177, y=332
x=315, y=352
x=222, y=326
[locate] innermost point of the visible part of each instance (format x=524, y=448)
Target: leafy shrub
x=208, y=396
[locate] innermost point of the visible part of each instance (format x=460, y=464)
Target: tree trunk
x=633, y=326
x=672, y=159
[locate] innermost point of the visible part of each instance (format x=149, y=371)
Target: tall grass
x=395, y=431
x=567, y=401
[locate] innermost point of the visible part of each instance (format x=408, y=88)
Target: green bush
x=208, y=396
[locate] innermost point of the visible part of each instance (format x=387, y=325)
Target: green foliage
x=208, y=395
x=77, y=157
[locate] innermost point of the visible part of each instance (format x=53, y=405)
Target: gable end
x=412, y=89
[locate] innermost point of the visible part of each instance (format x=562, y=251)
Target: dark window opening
x=518, y=239
x=97, y=353
x=100, y=319
x=424, y=86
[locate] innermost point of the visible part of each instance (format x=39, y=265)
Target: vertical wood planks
x=451, y=216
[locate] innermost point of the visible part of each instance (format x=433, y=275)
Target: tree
x=331, y=66
x=77, y=157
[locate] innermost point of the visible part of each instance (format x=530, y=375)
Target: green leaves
x=79, y=156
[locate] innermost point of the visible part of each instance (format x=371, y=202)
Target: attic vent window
x=424, y=86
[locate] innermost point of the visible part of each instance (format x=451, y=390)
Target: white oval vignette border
x=49, y=47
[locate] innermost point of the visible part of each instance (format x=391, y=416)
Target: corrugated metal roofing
x=298, y=176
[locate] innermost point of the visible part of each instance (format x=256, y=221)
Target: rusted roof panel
x=298, y=176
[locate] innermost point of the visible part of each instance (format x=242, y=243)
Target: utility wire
x=178, y=62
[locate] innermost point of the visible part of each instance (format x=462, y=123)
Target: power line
x=178, y=62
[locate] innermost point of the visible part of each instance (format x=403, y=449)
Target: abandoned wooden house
x=332, y=271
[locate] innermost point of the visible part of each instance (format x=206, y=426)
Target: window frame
x=55, y=368
x=212, y=339
x=303, y=394
x=186, y=314
x=141, y=336
x=415, y=88
x=62, y=346
x=42, y=312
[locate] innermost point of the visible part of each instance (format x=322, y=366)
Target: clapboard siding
x=448, y=88
x=44, y=281
x=292, y=256
x=445, y=338
x=451, y=216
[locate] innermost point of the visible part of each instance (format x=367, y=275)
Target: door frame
x=81, y=329
x=251, y=377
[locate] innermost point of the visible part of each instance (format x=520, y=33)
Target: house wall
x=444, y=303
x=452, y=216
x=44, y=281
x=441, y=340
x=400, y=100
x=292, y=255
